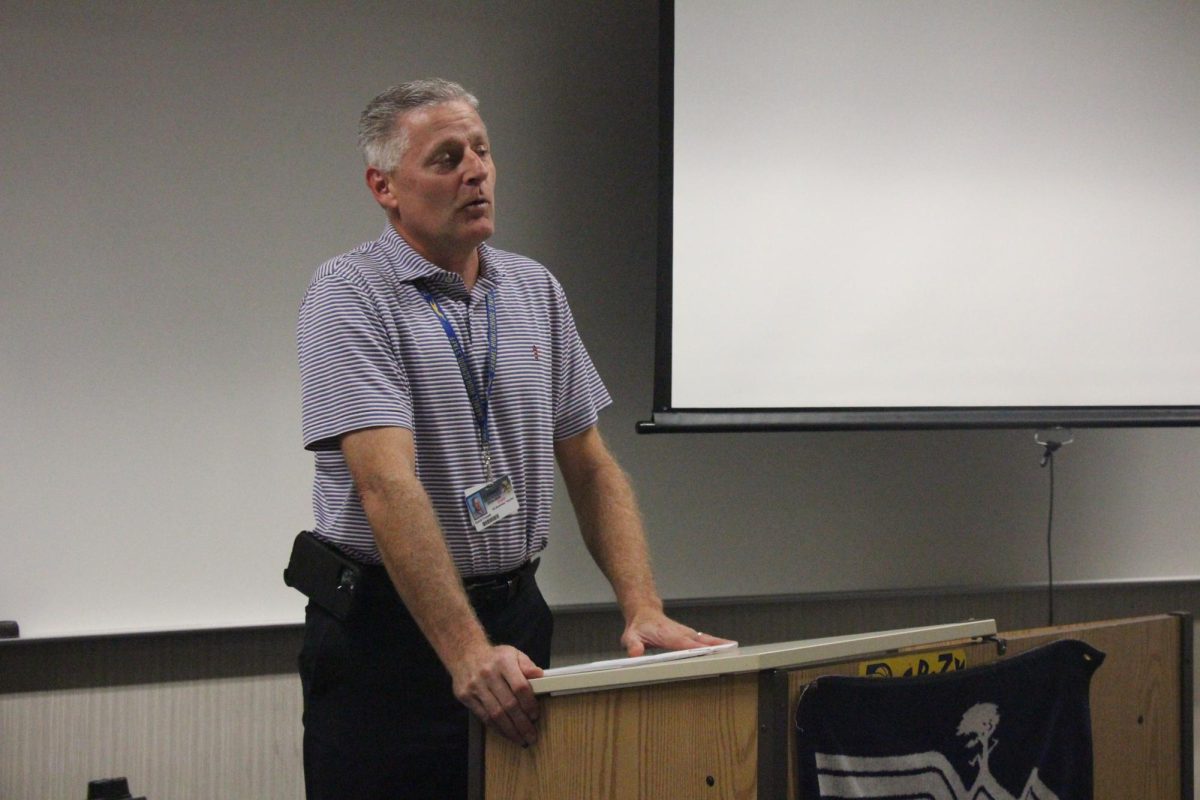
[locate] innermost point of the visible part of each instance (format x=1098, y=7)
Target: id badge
x=488, y=503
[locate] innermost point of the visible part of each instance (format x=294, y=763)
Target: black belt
x=481, y=590
x=500, y=587
x=343, y=586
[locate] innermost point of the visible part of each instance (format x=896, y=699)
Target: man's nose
x=475, y=168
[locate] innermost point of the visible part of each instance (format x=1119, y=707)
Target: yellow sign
x=915, y=664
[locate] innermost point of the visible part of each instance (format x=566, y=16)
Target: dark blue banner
x=1018, y=729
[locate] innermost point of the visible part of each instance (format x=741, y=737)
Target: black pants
x=380, y=719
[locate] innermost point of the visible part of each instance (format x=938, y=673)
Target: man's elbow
x=379, y=490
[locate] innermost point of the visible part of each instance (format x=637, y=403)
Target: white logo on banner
x=927, y=774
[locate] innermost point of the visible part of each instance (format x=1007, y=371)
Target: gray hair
x=380, y=138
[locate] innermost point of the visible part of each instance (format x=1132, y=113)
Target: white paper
x=652, y=658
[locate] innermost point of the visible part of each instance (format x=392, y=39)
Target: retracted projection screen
x=924, y=214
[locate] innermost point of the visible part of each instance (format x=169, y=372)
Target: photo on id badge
x=490, y=502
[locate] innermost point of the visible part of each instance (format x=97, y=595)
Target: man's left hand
x=656, y=629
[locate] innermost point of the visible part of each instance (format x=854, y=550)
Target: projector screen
x=929, y=214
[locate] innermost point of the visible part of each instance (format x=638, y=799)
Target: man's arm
x=612, y=529
x=491, y=681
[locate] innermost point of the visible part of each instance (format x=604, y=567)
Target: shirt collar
x=408, y=265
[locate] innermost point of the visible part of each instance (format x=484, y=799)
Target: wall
x=179, y=171
x=569, y=95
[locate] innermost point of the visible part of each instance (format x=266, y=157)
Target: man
x=441, y=380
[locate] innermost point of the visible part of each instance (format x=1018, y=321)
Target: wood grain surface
x=693, y=739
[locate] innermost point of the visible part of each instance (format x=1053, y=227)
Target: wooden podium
x=718, y=726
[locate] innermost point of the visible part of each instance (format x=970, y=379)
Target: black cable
x=1048, y=459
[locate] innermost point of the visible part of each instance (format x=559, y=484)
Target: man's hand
x=612, y=530
x=493, y=682
x=655, y=629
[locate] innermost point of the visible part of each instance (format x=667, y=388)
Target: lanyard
x=479, y=402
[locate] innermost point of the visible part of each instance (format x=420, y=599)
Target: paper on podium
x=633, y=661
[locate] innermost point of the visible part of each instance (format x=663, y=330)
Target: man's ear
x=382, y=188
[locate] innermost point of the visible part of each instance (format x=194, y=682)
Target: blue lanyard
x=479, y=402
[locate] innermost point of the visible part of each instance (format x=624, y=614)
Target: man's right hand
x=493, y=682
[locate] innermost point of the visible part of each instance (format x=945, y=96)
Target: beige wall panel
x=236, y=737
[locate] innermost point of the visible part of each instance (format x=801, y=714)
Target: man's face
x=443, y=187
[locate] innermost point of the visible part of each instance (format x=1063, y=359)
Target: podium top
x=756, y=658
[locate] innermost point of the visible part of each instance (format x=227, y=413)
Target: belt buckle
x=493, y=590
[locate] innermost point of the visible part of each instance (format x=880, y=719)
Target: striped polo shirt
x=372, y=353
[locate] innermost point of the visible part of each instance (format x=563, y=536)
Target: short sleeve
x=350, y=376
x=579, y=394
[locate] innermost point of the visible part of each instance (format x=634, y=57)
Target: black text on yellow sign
x=916, y=664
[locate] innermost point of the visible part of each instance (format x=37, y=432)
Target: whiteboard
x=175, y=171
x=173, y=174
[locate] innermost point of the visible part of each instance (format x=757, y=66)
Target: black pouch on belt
x=324, y=574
